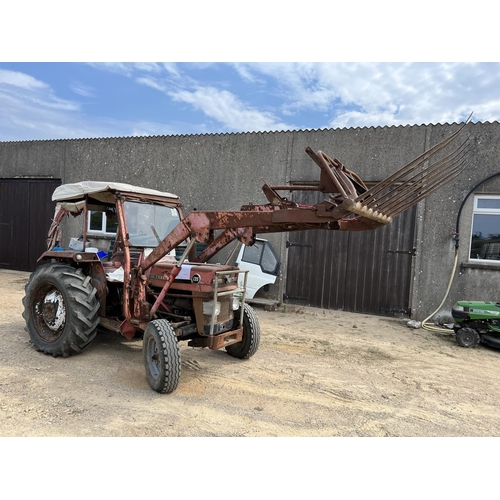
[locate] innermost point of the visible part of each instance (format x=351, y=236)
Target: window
x=485, y=234
x=262, y=254
x=100, y=223
x=148, y=224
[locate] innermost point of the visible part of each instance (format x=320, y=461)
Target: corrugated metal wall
x=364, y=272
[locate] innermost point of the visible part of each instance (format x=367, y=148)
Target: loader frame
x=156, y=301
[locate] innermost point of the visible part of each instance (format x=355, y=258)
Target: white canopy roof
x=102, y=191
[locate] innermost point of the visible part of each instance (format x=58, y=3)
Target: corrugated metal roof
x=243, y=133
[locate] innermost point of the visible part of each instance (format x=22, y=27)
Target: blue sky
x=72, y=97
x=78, y=100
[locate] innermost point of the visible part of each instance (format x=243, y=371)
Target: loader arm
x=350, y=205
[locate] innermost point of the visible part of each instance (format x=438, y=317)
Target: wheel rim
x=467, y=338
x=49, y=312
x=153, y=357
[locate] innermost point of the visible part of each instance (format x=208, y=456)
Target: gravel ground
x=317, y=373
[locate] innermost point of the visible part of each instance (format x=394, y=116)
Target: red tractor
x=152, y=282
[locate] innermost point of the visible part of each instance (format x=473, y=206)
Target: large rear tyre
x=162, y=358
x=251, y=336
x=60, y=309
x=467, y=337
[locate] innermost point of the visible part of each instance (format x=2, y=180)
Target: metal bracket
x=300, y=245
x=412, y=252
x=288, y=297
x=402, y=311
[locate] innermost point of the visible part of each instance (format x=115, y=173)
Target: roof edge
x=218, y=134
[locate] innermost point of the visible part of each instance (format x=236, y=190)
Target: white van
x=262, y=263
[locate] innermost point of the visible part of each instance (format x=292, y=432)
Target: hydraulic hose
x=434, y=328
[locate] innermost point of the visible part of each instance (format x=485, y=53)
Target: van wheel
x=251, y=336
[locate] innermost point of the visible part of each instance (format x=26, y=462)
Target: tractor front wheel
x=162, y=358
x=251, y=336
x=467, y=337
x=60, y=309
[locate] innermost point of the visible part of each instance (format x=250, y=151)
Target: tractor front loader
x=147, y=285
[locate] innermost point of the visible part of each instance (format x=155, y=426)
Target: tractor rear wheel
x=251, y=336
x=60, y=309
x=162, y=358
x=467, y=337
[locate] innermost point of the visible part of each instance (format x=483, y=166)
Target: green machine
x=475, y=322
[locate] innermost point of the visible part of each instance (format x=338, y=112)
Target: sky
x=61, y=75
x=61, y=100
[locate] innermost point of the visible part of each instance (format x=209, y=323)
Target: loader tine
x=420, y=194
x=443, y=162
x=419, y=190
x=408, y=193
x=430, y=174
x=427, y=181
x=414, y=164
x=399, y=176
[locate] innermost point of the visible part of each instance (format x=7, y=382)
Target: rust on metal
x=417, y=179
x=349, y=205
x=218, y=341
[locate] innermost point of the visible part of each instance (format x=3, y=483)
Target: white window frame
x=101, y=231
x=482, y=211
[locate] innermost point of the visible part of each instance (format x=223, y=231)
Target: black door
x=26, y=211
x=365, y=272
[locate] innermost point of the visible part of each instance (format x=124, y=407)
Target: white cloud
x=226, y=108
x=150, y=128
x=246, y=73
x=25, y=118
x=30, y=110
x=172, y=69
x=128, y=69
x=82, y=89
x=21, y=80
x=150, y=67
x=151, y=82
x=365, y=94
x=262, y=97
x=114, y=67
x=20, y=93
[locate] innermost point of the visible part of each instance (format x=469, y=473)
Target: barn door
x=365, y=272
x=26, y=211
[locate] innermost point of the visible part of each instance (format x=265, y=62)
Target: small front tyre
x=162, y=358
x=467, y=337
x=251, y=336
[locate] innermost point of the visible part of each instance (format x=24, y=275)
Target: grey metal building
x=403, y=268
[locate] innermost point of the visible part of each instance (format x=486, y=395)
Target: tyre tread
x=82, y=308
x=166, y=340
x=251, y=336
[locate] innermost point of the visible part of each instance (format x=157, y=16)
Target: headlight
x=456, y=307
x=235, y=303
x=227, y=279
x=231, y=278
x=208, y=308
